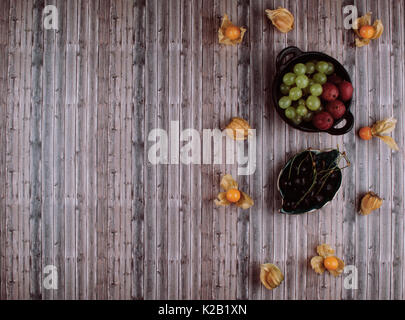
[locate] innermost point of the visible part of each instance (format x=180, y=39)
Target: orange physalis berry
x=367, y=32
x=232, y=32
x=233, y=195
x=365, y=133
x=331, y=263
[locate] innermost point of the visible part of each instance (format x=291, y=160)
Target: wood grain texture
x=78, y=189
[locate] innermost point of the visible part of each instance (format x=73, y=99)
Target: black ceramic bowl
x=285, y=62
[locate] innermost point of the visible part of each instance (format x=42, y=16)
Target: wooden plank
x=361, y=86
x=279, y=159
x=150, y=178
x=26, y=16
x=138, y=146
x=397, y=173
x=35, y=163
x=218, y=220
x=302, y=220
x=291, y=221
x=128, y=37
x=232, y=211
x=208, y=40
x=268, y=132
x=196, y=178
x=114, y=177
x=349, y=175
x=102, y=147
x=256, y=109
x=336, y=239
x=186, y=63
x=59, y=150
x=243, y=254
x=91, y=169
x=12, y=211
x=70, y=150
x=162, y=234
x=47, y=133
x=82, y=149
x=365, y=82
x=4, y=22
x=313, y=280
x=385, y=111
x=325, y=215
x=22, y=201
x=173, y=172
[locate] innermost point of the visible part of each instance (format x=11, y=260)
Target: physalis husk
x=366, y=21
x=318, y=262
x=222, y=38
x=228, y=183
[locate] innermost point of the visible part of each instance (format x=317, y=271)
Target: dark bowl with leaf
x=310, y=180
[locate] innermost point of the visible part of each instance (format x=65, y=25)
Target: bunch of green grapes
x=302, y=88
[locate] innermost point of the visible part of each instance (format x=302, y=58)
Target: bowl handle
x=294, y=51
x=346, y=128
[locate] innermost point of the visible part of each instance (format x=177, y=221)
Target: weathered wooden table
x=77, y=190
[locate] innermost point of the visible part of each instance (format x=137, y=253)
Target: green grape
x=284, y=89
x=301, y=102
x=316, y=89
x=301, y=110
x=310, y=67
x=306, y=90
x=295, y=93
x=300, y=69
x=301, y=81
x=320, y=78
x=308, y=117
x=289, y=78
x=297, y=120
x=290, y=113
x=284, y=102
x=331, y=69
x=322, y=66
x=313, y=103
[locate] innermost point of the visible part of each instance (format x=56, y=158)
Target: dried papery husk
x=325, y=250
x=366, y=21
x=369, y=203
x=245, y=201
x=379, y=28
x=227, y=183
x=238, y=129
x=339, y=269
x=389, y=141
x=360, y=22
x=221, y=32
x=317, y=264
x=382, y=127
x=281, y=18
x=222, y=200
x=270, y=276
x=385, y=126
x=361, y=42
